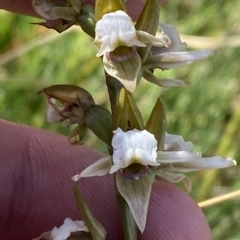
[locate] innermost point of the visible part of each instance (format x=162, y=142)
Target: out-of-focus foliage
x=206, y=113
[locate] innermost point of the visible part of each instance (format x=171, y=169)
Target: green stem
x=114, y=87
x=227, y=141
x=129, y=225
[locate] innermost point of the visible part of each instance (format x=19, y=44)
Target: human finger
x=36, y=190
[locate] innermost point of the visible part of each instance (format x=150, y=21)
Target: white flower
x=133, y=147
x=64, y=231
x=113, y=30
x=140, y=147
x=129, y=147
x=117, y=39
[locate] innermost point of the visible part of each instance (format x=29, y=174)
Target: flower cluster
x=139, y=153
x=118, y=42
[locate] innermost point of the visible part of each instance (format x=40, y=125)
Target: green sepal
x=87, y=20
x=156, y=123
x=99, y=120
x=162, y=82
x=95, y=228
x=77, y=5
x=148, y=21
x=106, y=6
x=59, y=26
x=127, y=115
x=74, y=137
x=127, y=71
x=69, y=94
x=137, y=195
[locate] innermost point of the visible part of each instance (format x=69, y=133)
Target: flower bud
x=99, y=120
x=107, y=6
x=75, y=101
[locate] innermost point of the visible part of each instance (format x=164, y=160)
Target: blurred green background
x=206, y=113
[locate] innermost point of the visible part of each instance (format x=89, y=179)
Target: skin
x=35, y=182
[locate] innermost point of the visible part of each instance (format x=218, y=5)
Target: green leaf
x=95, y=228
x=137, y=195
x=156, y=123
x=148, y=22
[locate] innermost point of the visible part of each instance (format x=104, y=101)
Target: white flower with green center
x=139, y=147
x=131, y=147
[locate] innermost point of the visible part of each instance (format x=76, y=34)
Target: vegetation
x=206, y=113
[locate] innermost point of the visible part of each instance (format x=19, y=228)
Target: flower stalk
x=139, y=152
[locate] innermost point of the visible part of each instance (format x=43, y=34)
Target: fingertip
x=173, y=214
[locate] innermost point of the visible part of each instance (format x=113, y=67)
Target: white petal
x=113, y=30
x=162, y=82
x=99, y=168
x=133, y=146
x=148, y=38
x=64, y=231
x=53, y=115
x=114, y=169
x=203, y=163
x=67, y=228
x=176, y=156
x=165, y=82
x=176, y=59
x=176, y=178
x=176, y=143
x=177, y=45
